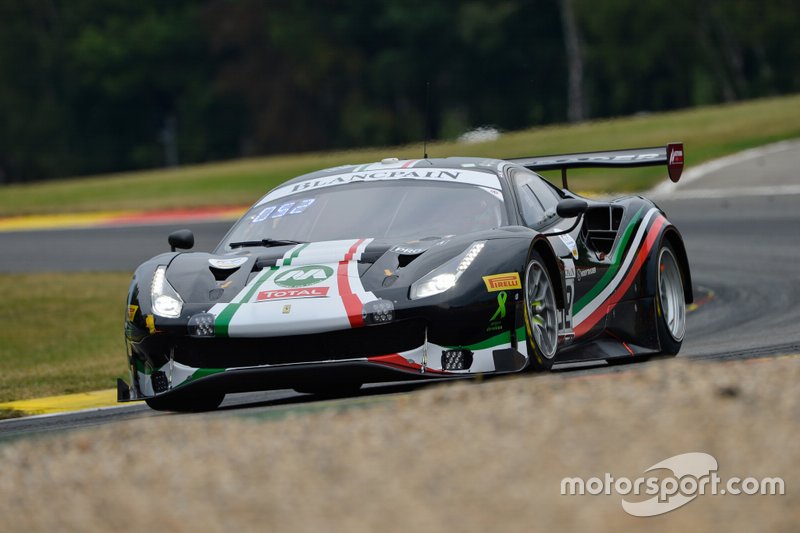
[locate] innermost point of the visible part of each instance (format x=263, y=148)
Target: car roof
x=483, y=164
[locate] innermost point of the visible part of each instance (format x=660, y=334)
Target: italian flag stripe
x=293, y=253
x=619, y=292
x=612, y=270
x=352, y=304
x=223, y=321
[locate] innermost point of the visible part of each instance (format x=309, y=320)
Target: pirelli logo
x=502, y=282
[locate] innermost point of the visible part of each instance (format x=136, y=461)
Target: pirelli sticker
x=502, y=282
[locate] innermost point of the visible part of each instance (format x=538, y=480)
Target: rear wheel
x=187, y=403
x=670, y=302
x=541, y=314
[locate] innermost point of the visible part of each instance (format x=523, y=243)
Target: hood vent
x=405, y=260
x=221, y=274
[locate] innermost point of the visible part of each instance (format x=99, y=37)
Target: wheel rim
x=670, y=288
x=541, y=305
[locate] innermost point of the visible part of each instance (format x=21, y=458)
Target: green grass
x=707, y=132
x=10, y=413
x=61, y=333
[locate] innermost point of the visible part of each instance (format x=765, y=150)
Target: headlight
x=445, y=277
x=166, y=301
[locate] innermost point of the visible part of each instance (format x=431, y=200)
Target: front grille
x=379, y=339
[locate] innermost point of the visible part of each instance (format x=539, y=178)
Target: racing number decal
x=566, y=313
x=565, y=318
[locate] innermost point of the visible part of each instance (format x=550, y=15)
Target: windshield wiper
x=265, y=242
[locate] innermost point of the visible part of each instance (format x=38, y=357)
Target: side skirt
x=601, y=349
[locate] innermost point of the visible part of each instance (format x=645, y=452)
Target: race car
x=410, y=270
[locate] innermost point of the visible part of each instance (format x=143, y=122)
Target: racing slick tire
x=670, y=308
x=187, y=403
x=670, y=301
x=541, y=314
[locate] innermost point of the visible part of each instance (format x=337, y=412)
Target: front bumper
x=284, y=376
x=422, y=363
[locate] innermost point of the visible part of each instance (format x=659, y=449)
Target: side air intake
x=601, y=225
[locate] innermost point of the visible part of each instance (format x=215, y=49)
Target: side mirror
x=571, y=208
x=183, y=239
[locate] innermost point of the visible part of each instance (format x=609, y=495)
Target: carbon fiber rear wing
x=670, y=155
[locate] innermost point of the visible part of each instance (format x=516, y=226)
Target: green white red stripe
x=352, y=304
x=271, y=306
x=604, y=302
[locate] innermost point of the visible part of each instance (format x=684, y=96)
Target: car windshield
x=398, y=209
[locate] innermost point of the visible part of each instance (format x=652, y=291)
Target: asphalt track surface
x=740, y=223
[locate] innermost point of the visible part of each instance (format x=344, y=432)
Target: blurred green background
x=220, y=100
x=90, y=86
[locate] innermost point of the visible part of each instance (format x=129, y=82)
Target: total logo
x=303, y=276
x=287, y=294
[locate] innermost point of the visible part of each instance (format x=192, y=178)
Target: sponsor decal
x=407, y=251
x=285, y=294
x=675, y=163
x=496, y=322
x=582, y=273
x=377, y=175
x=227, y=263
x=303, y=276
x=494, y=192
x=339, y=294
x=598, y=158
x=569, y=242
x=132, y=312
x=365, y=174
x=501, y=282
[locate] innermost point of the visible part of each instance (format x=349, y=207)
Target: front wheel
x=541, y=314
x=670, y=302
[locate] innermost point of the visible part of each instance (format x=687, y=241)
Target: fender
x=668, y=233
x=673, y=236
x=555, y=267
